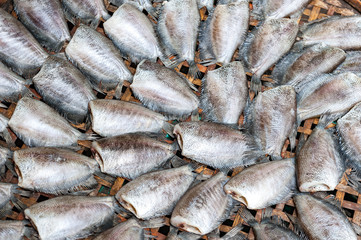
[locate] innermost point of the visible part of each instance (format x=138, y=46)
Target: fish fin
x=175, y=146
x=170, y=63
x=118, y=91
x=256, y=84
x=188, y=82
x=30, y=233
x=18, y=204
x=106, y=177
x=176, y=161
x=292, y=136
x=276, y=158
x=10, y=165
x=282, y=66
x=6, y=210
x=21, y=192
x=8, y=139
x=89, y=136
x=327, y=118
x=235, y=231
x=193, y=73
x=195, y=116
x=244, y=49
x=267, y=213
x=298, y=13
x=205, y=44
x=354, y=178
x=247, y=216
x=168, y=128
x=122, y=212
x=301, y=141
x=357, y=228
x=154, y=223
x=248, y=110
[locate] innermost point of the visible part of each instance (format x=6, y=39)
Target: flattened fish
x=351, y=64
x=266, y=44
x=164, y=90
x=97, y=58
x=140, y=4
x=45, y=20
x=275, y=9
x=272, y=118
x=298, y=65
x=155, y=194
x=18, y=48
x=114, y=117
x=265, y=184
x=14, y=230
x=224, y=94
x=7, y=191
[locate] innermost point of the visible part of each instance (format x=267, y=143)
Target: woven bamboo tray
x=349, y=198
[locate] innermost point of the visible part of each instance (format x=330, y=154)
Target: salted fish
x=7, y=191
x=140, y=4
x=224, y=94
x=114, y=117
x=14, y=230
x=275, y=9
x=352, y=63
x=18, y=48
x=155, y=194
x=97, y=58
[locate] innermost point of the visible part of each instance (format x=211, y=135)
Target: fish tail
x=256, y=85
x=154, y=223
x=18, y=204
x=247, y=216
x=168, y=128
x=23, y=192
x=193, y=72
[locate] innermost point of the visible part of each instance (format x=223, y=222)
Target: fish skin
x=19, y=49
x=6, y=193
x=97, y=58
x=14, y=230
x=341, y=32
x=155, y=194
x=164, y=90
x=131, y=155
x=71, y=217
x=322, y=220
x=45, y=20
x=319, y=163
x=113, y=117
x=64, y=88
x=43, y=126
x=202, y=208
x=298, y=65
x=224, y=94
x=216, y=145
x=265, y=45
x=265, y=184
x=352, y=63
x=54, y=170
x=272, y=118
x=271, y=9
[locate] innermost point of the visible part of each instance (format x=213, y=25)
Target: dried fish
x=274, y=9
x=205, y=3
x=263, y=185
x=300, y=64
x=113, y=117
x=37, y=124
x=266, y=44
x=155, y=194
x=204, y=207
x=18, y=48
x=272, y=118
x=4, y=121
x=45, y=20
x=224, y=94
x=140, y=4
x=352, y=63
x=71, y=217
x=216, y=145
x=216, y=42
x=97, y=58
x=164, y=90
x=14, y=230
x=131, y=155
x=322, y=220
x=7, y=191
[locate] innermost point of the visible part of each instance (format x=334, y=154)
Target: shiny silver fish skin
x=298, y=65
x=275, y=9
x=6, y=193
x=224, y=94
x=203, y=207
x=351, y=64
x=265, y=45
x=272, y=118
x=37, y=125
x=155, y=194
x=131, y=155
x=341, y=32
x=64, y=88
x=164, y=90
x=12, y=230
x=215, y=42
x=319, y=163
x=216, y=145
x=97, y=58
x=265, y=184
x=71, y=217
x=54, y=170
x=87, y=11
x=18, y=48
x=45, y=20
x=113, y=117
x=322, y=220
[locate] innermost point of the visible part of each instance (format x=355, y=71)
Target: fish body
x=273, y=9
x=352, y=63
x=12, y=230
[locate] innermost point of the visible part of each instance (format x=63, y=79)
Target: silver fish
x=140, y=4
x=64, y=88
x=87, y=11
x=204, y=207
x=275, y=9
x=272, y=118
x=45, y=20
x=164, y=90
x=224, y=94
x=113, y=117
x=322, y=220
x=43, y=126
x=14, y=230
x=298, y=65
x=155, y=194
x=71, y=217
x=336, y=31
x=351, y=64
x=265, y=184
x=18, y=48
x=216, y=44
x=131, y=155
x=216, y=145
x=105, y=68
x=266, y=44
